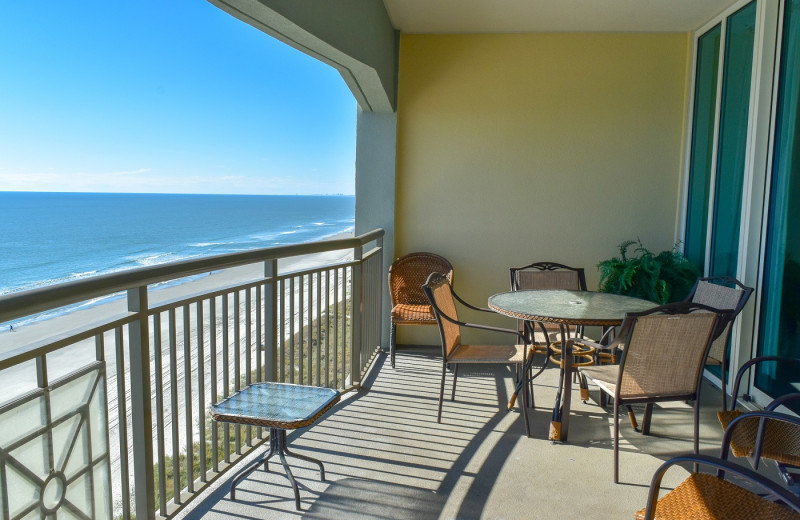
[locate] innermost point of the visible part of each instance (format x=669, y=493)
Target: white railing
x=107, y=419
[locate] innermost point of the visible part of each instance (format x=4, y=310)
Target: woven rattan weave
x=410, y=306
x=781, y=440
x=705, y=497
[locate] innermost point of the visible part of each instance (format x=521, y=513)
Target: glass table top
x=276, y=402
x=569, y=307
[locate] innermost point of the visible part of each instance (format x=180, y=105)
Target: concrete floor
x=386, y=456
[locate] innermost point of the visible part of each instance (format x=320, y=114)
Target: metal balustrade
x=141, y=444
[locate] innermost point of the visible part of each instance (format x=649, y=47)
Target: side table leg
x=277, y=446
x=292, y=481
x=309, y=459
x=244, y=472
x=274, y=447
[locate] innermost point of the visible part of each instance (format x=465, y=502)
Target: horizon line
x=173, y=193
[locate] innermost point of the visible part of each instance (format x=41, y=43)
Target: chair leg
x=696, y=430
x=527, y=396
x=584, y=387
x=441, y=392
x=616, y=440
x=648, y=415
x=632, y=417
x=723, y=368
x=392, y=342
x=697, y=425
x=455, y=378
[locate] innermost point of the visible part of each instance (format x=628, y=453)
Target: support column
x=376, y=135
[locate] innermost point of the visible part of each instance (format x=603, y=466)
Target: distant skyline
x=165, y=97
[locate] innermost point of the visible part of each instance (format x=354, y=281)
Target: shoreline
x=42, y=330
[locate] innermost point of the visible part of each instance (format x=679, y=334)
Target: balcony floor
x=386, y=456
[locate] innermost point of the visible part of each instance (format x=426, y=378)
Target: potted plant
x=663, y=278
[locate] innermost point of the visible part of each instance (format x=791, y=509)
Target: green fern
x=663, y=278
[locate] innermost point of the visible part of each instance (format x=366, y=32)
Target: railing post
x=355, y=322
x=271, y=320
x=141, y=417
x=379, y=290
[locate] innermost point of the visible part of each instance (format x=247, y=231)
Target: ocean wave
x=210, y=244
x=288, y=232
x=83, y=274
x=160, y=258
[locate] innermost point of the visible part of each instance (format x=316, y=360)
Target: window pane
x=705, y=103
x=734, y=111
x=780, y=308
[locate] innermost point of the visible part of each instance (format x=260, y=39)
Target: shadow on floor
x=357, y=499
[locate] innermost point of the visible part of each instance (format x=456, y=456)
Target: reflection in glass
x=705, y=104
x=780, y=308
x=733, y=124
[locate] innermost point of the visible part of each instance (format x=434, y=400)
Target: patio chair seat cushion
x=781, y=439
x=410, y=314
x=604, y=376
x=703, y=496
x=510, y=354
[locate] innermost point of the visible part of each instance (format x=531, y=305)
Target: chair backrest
x=547, y=275
x=408, y=273
x=439, y=293
x=721, y=292
x=666, y=348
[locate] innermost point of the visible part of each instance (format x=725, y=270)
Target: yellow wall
x=529, y=147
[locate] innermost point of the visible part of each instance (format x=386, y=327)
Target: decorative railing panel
x=120, y=428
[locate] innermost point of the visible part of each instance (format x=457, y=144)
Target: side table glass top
x=294, y=406
x=568, y=307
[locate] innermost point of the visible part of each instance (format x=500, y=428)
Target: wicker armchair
x=443, y=301
x=721, y=292
x=781, y=444
x=409, y=304
x=665, y=351
x=706, y=496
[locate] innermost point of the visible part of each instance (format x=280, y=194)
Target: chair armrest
x=599, y=346
x=722, y=466
x=468, y=305
x=755, y=361
x=781, y=401
x=482, y=327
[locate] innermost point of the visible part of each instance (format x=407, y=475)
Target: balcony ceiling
x=508, y=16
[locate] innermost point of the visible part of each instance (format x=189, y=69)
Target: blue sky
x=166, y=96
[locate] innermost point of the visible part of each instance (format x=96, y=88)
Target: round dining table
x=565, y=308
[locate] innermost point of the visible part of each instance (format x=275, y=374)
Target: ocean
x=49, y=238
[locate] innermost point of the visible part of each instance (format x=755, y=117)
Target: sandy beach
x=21, y=379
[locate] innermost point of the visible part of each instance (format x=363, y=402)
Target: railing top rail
x=17, y=305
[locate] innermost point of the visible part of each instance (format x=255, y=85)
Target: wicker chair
x=782, y=440
x=706, y=496
x=721, y=292
x=665, y=351
x=443, y=301
x=409, y=304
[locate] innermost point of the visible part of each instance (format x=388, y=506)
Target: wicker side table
x=279, y=407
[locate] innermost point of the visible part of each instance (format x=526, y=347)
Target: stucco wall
x=528, y=147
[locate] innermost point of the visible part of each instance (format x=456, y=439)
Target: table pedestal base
x=277, y=446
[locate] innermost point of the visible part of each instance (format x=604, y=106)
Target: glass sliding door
x=702, y=146
x=779, y=332
x=732, y=143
